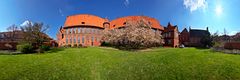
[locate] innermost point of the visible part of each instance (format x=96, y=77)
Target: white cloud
x=26, y=23
x=60, y=12
x=126, y=2
x=233, y=32
x=194, y=5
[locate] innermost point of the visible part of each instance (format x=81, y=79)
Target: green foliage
x=45, y=48
x=111, y=64
x=106, y=44
x=25, y=48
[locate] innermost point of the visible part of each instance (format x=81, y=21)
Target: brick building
x=82, y=30
x=9, y=40
x=171, y=36
x=86, y=30
x=194, y=37
x=184, y=37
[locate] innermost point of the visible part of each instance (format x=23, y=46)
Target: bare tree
x=35, y=34
x=12, y=33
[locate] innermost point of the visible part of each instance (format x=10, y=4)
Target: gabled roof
x=120, y=22
x=184, y=30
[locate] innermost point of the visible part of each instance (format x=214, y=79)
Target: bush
x=69, y=45
x=45, y=48
x=105, y=44
x=75, y=45
x=25, y=48
x=80, y=45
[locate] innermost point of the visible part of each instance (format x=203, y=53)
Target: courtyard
x=98, y=63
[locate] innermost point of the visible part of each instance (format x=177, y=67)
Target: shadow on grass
x=55, y=50
x=8, y=52
x=202, y=48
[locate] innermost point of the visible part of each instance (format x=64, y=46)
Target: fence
x=232, y=45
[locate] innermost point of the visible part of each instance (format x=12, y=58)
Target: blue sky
x=216, y=14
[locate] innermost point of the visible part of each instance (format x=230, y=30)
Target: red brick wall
x=232, y=45
x=3, y=45
x=171, y=33
x=184, y=38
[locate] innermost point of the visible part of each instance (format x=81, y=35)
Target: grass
x=109, y=64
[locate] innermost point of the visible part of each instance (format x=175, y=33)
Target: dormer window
x=83, y=22
x=149, y=23
x=124, y=23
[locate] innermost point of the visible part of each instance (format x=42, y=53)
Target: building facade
x=184, y=37
x=171, y=36
x=82, y=30
x=87, y=30
x=194, y=37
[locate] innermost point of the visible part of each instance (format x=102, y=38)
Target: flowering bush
x=135, y=35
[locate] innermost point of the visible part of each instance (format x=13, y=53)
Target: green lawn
x=109, y=64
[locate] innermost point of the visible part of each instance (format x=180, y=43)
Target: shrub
x=25, y=48
x=69, y=45
x=105, y=44
x=45, y=48
x=75, y=45
x=80, y=45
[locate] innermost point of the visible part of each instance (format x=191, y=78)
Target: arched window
x=96, y=39
x=83, y=40
x=62, y=36
x=83, y=30
x=92, y=39
x=74, y=40
x=66, y=31
x=124, y=23
x=66, y=40
x=79, y=40
x=93, y=30
x=70, y=40
x=79, y=30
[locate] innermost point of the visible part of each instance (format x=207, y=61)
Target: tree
x=225, y=34
x=35, y=34
x=135, y=35
x=207, y=41
x=12, y=32
x=236, y=37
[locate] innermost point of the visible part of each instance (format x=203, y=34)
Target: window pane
x=83, y=39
